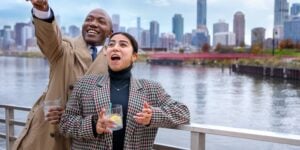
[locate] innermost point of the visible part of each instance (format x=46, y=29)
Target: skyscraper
x=239, y=28
x=295, y=9
x=145, y=39
x=177, y=25
x=139, y=30
x=154, y=34
x=258, y=36
x=291, y=29
x=220, y=26
x=18, y=31
x=281, y=12
x=116, y=22
x=74, y=31
x=201, y=13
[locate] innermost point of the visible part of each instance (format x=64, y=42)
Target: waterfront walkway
x=215, y=56
x=178, y=59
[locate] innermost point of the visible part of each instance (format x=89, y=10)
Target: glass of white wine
x=48, y=104
x=116, y=115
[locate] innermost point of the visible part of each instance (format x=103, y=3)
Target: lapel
x=135, y=105
x=82, y=53
x=99, y=66
x=102, y=93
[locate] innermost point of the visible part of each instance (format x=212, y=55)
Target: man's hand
x=104, y=123
x=41, y=5
x=145, y=116
x=54, y=114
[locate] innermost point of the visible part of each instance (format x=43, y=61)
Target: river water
x=214, y=96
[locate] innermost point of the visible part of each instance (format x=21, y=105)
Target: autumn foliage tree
x=205, y=47
x=286, y=43
x=218, y=47
x=256, y=49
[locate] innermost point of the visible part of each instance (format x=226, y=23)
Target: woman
x=146, y=105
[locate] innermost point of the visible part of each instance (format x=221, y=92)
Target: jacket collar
x=134, y=83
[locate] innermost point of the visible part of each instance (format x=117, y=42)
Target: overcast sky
x=258, y=13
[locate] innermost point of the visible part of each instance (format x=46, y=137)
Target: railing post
x=197, y=141
x=9, y=115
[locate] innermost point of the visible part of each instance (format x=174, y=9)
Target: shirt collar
x=99, y=48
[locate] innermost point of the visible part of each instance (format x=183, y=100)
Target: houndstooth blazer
x=92, y=93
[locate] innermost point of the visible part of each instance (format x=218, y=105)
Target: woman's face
x=119, y=53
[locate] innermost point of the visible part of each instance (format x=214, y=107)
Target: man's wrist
x=42, y=14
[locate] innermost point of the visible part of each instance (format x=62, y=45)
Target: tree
x=286, y=43
x=297, y=46
x=205, y=47
x=181, y=50
x=242, y=44
x=218, y=47
x=256, y=49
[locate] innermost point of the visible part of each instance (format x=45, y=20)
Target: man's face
x=96, y=27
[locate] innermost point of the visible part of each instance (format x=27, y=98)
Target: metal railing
x=10, y=123
x=198, y=132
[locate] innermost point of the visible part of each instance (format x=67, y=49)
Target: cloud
x=160, y=3
x=259, y=4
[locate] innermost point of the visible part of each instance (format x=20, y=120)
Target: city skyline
x=161, y=11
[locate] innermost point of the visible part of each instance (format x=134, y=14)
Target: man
x=69, y=59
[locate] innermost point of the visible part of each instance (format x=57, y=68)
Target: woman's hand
x=144, y=117
x=104, y=123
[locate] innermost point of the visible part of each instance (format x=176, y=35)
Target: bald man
x=69, y=60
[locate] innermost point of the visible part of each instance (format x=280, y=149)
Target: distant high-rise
x=168, y=41
x=291, y=29
x=139, y=30
x=74, y=31
x=122, y=29
x=239, y=28
x=281, y=12
x=132, y=31
x=116, y=22
x=201, y=13
x=26, y=35
x=295, y=9
x=187, y=39
x=200, y=37
x=177, y=25
x=145, y=39
x=220, y=26
x=224, y=38
x=154, y=34
x=18, y=32
x=7, y=37
x=258, y=36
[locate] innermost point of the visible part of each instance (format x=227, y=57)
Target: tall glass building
x=281, y=12
x=201, y=13
x=295, y=9
x=220, y=26
x=291, y=29
x=177, y=23
x=239, y=28
x=154, y=34
x=258, y=36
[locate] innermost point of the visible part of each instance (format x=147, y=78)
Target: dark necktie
x=94, y=52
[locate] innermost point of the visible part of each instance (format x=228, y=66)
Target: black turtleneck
x=119, y=94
